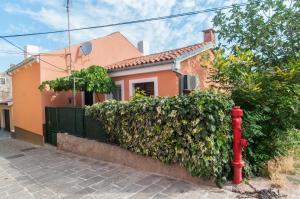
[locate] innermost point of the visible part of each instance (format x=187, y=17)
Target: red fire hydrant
x=238, y=144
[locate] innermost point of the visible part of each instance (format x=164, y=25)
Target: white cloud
x=4, y=46
x=8, y=52
x=52, y=3
x=164, y=34
x=49, y=16
x=13, y=28
x=189, y=3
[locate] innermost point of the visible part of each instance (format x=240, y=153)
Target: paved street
x=4, y=135
x=28, y=171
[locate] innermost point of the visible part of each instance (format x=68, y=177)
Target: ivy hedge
x=192, y=130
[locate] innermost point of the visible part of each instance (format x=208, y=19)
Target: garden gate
x=71, y=120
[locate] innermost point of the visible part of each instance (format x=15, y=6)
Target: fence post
x=238, y=144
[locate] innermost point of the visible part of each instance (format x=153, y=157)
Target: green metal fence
x=73, y=121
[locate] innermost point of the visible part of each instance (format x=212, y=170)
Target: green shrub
x=259, y=64
x=192, y=130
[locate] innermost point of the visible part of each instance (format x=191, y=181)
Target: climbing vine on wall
x=192, y=130
x=92, y=79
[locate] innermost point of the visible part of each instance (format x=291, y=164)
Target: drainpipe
x=179, y=75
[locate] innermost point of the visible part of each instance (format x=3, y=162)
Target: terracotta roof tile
x=157, y=57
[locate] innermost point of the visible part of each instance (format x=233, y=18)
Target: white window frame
x=118, y=83
x=143, y=80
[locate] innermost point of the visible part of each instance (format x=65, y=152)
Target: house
x=6, y=120
x=29, y=103
x=168, y=73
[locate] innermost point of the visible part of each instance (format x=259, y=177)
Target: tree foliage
x=258, y=63
x=91, y=79
x=269, y=28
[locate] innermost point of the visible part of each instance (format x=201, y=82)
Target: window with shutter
x=147, y=87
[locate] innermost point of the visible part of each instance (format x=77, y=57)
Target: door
x=88, y=98
x=7, y=120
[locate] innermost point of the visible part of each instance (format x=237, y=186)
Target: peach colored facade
x=27, y=112
x=30, y=103
x=199, y=66
x=167, y=82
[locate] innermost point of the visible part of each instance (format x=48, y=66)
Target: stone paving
x=28, y=171
x=4, y=134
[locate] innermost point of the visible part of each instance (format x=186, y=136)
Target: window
x=2, y=80
x=117, y=94
x=147, y=87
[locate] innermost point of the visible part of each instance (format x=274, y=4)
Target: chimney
x=143, y=47
x=209, y=35
x=30, y=50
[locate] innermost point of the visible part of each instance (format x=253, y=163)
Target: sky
x=28, y=16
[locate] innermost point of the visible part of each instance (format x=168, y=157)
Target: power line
x=11, y=43
x=10, y=52
x=22, y=53
x=115, y=24
x=130, y=22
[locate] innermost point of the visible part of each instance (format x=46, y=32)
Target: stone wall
x=115, y=154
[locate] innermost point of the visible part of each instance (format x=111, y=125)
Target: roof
x=111, y=40
x=22, y=63
x=154, y=58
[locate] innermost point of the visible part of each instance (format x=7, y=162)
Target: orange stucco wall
x=27, y=111
x=168, y=84
x=199, y=66
x=30, y=103
x=105, y=50
x=168, y=81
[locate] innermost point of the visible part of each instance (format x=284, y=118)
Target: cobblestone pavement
x=28, y=171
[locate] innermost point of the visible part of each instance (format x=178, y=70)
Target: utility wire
x=131, y=22
x=19, y=52
x=10, y=52
x=115, y=24
x=15, y=45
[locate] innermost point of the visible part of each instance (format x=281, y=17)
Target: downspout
x=177, y=61
x=179, y=75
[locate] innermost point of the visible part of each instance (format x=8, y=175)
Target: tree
x=258, y=63
x=270, y=28
x=92, y=79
